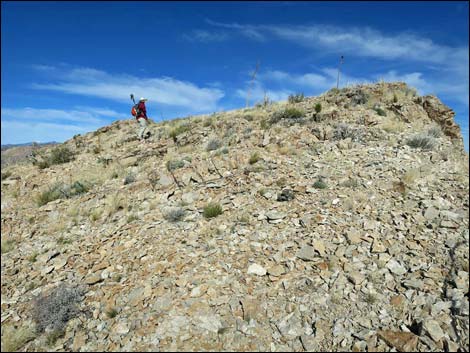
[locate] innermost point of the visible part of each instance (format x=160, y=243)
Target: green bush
x=296, y=98
x=61, y=191
x=212, y=210
x=289, y=113
x=174, y=164
x=318, y=108
x=380, y=111
x=60, y=155
x=320, y=184
x=254, y=158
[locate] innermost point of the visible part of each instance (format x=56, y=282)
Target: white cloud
x=206, y=36
x=117, y=87
x=359, y=41
x=21, y=125
x=23, y=132
x=35, y=115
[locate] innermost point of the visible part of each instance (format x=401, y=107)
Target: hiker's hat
x=142, y=99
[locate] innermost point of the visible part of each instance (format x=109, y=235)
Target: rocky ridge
x=337, y=232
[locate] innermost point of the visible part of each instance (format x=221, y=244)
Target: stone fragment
x=402, y=341
x=306, y=253
x=432, y=328
x=255, y=269
x=395, y=267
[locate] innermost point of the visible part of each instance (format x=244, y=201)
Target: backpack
x=135, y=109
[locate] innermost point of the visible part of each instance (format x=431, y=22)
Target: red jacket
x=142, y=111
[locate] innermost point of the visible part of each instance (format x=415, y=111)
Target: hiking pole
x=132, y=97
x=339, y=67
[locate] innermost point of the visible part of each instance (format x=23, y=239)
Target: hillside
x=337, y=223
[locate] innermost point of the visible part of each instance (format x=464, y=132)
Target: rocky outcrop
x=441, y=114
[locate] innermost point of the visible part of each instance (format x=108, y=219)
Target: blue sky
x=69, y=67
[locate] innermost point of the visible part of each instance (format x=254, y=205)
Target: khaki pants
x=142, y=128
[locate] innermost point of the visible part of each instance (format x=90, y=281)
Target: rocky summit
x=329, y=223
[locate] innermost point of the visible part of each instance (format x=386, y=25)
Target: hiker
x=142, y=119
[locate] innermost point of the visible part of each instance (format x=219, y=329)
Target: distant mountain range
x=9, y=145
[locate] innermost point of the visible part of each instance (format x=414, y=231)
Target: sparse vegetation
x=54, y=310
x=59, y=190
x=320, y=184
x=212, y=210
x=130, y=178
x=213, y=145
x=174, y=164
x=318, y=108
x=175, y=215
x=423, y=141
x=254, y=158
x=289, y=113
x=178, y=131
x=132, y=218
x=434, y=131
x=296, y=98
x=380, y=111
x=60, y=155
x=343, y=131
x=111, y=313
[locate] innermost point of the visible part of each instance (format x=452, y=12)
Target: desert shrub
x=395, y=98
x=59, y=190
x=43, y=164
x=434, y=131
x=54, y=192
x=208, y=122
x=174, y=164
x=320, y=184
x=254, y=158
x=132, y=218
x=53, y=311
x=212, y=210
x=263, y=124
x=351, y=183
x=175, y=215
x=79, y=187
x=213, y=145
x=179, y=130
x=380, y=111
x=318, y=108
x=423, y=141
x=60, y=155
x=289, y=113
x=130, y=178
x=343, y=131
x=296, y=98
x=111, y=313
